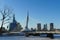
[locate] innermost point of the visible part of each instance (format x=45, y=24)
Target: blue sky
x=40, y=11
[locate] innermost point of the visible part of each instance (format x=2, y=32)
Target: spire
x=27, y=20
x=14, y=18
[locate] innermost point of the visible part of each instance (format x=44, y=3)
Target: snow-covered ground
x=25, y=38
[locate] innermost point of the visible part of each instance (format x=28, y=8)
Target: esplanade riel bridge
x=50, y=34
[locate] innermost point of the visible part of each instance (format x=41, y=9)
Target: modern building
x=15, y=26
x=18, y=28
x=39, y=27
x=51, y=26
x=45, y=27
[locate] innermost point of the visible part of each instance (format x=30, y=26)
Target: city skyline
x=40, y=11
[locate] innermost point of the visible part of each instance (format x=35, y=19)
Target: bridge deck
x=53, y=32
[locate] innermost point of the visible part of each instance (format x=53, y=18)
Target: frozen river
x=26, y=38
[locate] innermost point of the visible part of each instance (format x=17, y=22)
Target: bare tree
x=6, y=16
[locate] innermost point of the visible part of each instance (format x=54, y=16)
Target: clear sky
x=40, y=11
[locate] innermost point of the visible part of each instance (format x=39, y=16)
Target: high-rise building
x=45, y=27
x=51, y=26
x=39, y=27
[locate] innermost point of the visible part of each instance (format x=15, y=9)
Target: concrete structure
x=37, y=33
x=27, y=20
